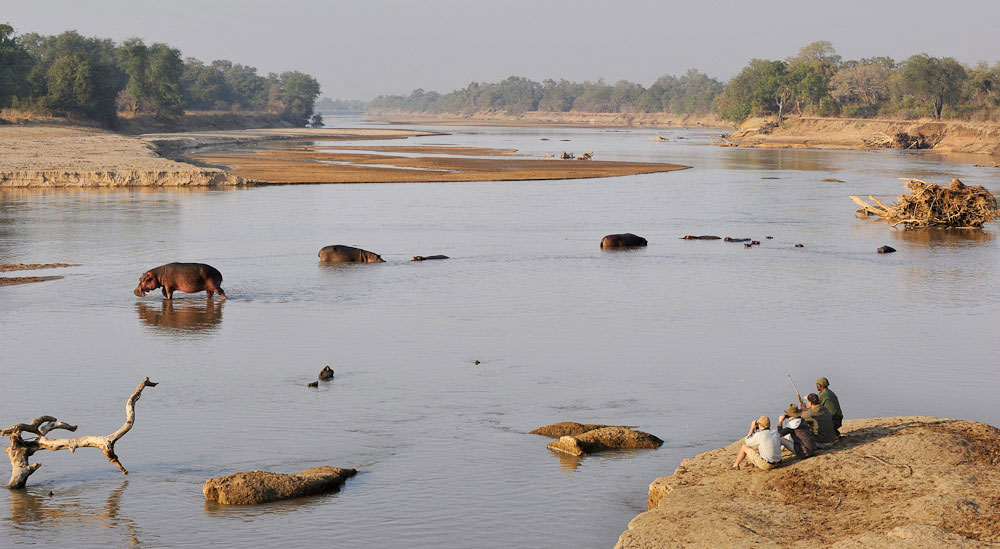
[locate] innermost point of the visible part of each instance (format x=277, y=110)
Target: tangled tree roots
x=930, y=205
x=20, y=450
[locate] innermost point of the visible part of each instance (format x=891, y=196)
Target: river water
x=688, y=340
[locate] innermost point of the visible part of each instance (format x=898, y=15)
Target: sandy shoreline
x=899, y=481
x=14, y=280
x=947, y=136
x=67, y=156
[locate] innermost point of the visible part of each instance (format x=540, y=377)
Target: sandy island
x=900, y=482
x=13, y=280
x=310, y=164
x=64, y=156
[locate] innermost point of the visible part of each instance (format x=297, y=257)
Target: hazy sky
x=360, y=49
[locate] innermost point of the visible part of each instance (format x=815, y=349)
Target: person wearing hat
x=795, y=433
x=761, y=447
x=829, y=401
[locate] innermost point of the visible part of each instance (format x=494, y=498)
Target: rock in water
x=253, y=487
x=566, y=428
x=603, y=439
x=886, y=250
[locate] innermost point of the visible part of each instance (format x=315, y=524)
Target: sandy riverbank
x=14, y=280
x=559, y=119
x=900, y=481
x=310, y=164
x=68, y=156
x=857, y=133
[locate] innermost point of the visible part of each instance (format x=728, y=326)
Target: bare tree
x=20, y=450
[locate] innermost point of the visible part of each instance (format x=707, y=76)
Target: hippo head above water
x=147, y=283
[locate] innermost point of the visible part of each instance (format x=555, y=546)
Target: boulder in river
x=253, y=487
x=566, y=428
x=603, y=439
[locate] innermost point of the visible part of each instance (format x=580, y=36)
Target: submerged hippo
x=184, y=277
x=702, y=237
x=626, y=240
x=426, y=257
x=347, y=254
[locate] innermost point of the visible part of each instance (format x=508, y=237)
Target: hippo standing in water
x=184, y=277
x=347, y=254
x=626, y=240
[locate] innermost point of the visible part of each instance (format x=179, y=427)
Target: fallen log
x=20, y=450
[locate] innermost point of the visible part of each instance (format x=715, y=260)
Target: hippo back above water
x=625, y=240
x=184, y=277
x=347, y=254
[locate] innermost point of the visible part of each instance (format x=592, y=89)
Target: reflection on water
x=568, y=462
x=194, y=315
x=68, y=513
x=943, y=236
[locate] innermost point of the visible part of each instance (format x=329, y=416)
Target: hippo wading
x=626, y=240
x=347, y=254
x=184, y=277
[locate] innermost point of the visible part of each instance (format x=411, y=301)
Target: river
x=688, y=340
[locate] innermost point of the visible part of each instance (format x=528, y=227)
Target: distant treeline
x=817, y=81
x=96, y=79
x=326, y=104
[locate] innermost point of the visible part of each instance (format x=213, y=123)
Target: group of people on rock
x=802, y=430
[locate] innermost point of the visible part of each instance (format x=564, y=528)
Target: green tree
x=297, y=93
x=71, y=86
x=761, y=87
x=15, y=64
x=204, y=87
x=938, y=81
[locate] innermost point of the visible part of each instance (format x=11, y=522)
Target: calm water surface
x=686, y=340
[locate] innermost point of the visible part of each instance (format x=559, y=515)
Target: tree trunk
x=20, y=450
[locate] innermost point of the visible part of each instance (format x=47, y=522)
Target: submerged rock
x=901, y=482
x=603, y=439
x=253, y=487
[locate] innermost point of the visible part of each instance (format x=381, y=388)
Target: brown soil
x=4, y=267
x=304, y=165
x=440, y=149
x=14, y=280
x=903, y=481
x=560, y=119
x=860, y=133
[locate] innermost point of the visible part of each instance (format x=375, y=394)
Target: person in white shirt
x=761, y=447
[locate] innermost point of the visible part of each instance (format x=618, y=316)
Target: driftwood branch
x=20, y=450
x=929, y=205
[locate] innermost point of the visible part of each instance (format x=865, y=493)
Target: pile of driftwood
x=901, y=140
x=931, y=205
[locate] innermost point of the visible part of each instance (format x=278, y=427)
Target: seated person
x=796, y=434
x=761, y=447
x=830, y=401
x=821, y=422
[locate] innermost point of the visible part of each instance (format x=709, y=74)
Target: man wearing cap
x=795, y=433
x=762, y=446
x=830, y=402
x=821, y=422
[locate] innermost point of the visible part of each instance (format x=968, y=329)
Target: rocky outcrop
x=253, y=487
x=602, y=439
x=903, y=482
x=566, y=428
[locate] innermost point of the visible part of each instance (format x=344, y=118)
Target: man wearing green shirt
x=829, y=401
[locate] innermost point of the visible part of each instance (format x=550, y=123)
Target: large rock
x=253, y=487
x=566, y=428
x=603, y=439
x=899, y=482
